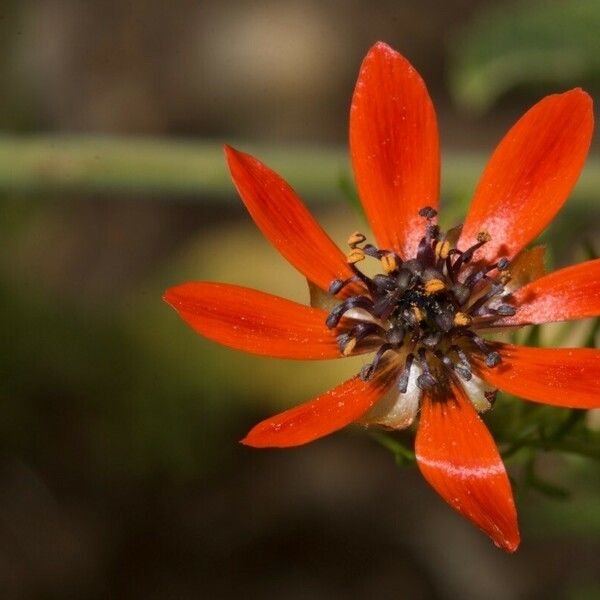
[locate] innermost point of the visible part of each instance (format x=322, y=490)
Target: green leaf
x=554, y=43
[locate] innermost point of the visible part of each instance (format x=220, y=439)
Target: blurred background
x=120, y=471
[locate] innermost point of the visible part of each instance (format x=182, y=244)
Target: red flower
x=422, y=315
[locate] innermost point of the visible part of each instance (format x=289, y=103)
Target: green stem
x=401, y=453
x=197, y=170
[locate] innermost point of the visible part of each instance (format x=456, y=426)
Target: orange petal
x=567, y=377
x=252, y=321
x=458, y=457
x=285, y=221
x=319, y=417
x=394, y=148
x=571, y=293
x=530, y=174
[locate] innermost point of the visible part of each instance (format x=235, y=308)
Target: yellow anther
x=483, y=236
x=442, y=249
x=434, y=285
x=355, y=256
x=462, y=320
x=388, y=262
x=419, y=314
x=505, y=277
x=349, y=347
x=356, y=238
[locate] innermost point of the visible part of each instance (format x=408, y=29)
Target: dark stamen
x=367, y=372
x=395, y=335
x=491, y=396
x=493, y=359
x=506, y=310
x=358, y=333
x=371, y=251
x=404, y=279
x=385, y=305
x=336, y=286
x=445, y=321
x=495, y=289
x=354, y=302
x=467, y=255
x=425, y=254
x=463, y=372
x=463, y=365
x=476, y=277
x=405, y=375
x=432, y=339
x=428, y=212
x=384, y=283
x=426, y=380
x=461, y=292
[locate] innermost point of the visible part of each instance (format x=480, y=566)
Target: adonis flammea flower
x=422, y=317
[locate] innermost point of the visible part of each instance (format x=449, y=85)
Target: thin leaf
x=554, y=43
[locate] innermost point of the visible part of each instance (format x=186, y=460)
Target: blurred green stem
x=403, y=455
x=197, y=169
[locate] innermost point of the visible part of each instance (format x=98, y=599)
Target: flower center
x=426, y=309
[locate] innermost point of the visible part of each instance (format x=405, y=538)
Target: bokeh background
x=120, y=471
